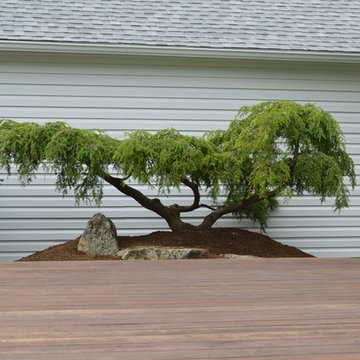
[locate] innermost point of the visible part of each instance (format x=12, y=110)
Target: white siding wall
x=122, y=94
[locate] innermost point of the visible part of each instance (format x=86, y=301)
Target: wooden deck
x=298, y=309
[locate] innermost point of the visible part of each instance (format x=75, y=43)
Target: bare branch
x=152, y=204
x=196, y=203
x=207, y=206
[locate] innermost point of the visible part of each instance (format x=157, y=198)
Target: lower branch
x=210, y=219
x=170, y=214
x=150, y=204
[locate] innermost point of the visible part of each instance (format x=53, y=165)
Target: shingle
x=315, y=25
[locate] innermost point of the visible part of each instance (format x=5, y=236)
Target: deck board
x=175, y=310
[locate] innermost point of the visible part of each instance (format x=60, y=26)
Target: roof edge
x=215, y=53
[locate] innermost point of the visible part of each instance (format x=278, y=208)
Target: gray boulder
x=99, y=237
x=160, y=253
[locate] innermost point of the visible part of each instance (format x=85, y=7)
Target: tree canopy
x=269, y=150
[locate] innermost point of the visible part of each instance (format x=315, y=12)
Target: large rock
x=99, y=237
x=160, y=253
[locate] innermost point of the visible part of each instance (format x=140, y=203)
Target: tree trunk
x=171, y=214
x=176, y=224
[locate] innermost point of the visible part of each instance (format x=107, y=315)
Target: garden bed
x=216, y=240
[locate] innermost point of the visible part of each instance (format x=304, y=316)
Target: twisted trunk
x=172, y=214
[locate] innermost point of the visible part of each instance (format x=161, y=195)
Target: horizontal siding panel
x=137, y=212
x=44, y=234
x=315, y=211
x=352, y=139
x=12, y=256
x=334, y=252
x=122, y=201
x=350, y=128
x=202, y=68
x=353, y=149
x=349, y=119
x=178, y=81
x=21, y=246
x=346, y=242
x=60, y=114
x=327, y=221
x=196, y=126
x=125, y=226
x=70, y=213
x=33, y=103
x=48, y=92
x=61, y=235
x=315, y=233
x=151, y=223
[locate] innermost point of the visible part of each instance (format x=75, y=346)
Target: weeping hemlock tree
x=271, y=149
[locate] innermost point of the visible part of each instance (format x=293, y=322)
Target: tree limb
x=208, y=207
x=196, y=203
x=152, y=204
x=210, y=219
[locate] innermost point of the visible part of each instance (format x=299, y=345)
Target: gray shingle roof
x=315, y=25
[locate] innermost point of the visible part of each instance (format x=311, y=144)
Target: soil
x=217, y=240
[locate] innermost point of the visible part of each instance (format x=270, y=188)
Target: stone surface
x=236, y=256
x=160, y=253
x=99, y=237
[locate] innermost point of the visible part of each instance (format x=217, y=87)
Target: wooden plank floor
x=298, y=309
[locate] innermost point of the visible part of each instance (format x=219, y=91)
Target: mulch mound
x=216, y=240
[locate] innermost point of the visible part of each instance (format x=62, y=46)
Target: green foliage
x=258, y=212
x=286, y=146
x=269, y=149
x=76, y=156
x=165, y=158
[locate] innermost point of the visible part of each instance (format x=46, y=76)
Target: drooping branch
x=210, y=219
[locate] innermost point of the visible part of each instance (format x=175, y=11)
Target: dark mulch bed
x=217, y=241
